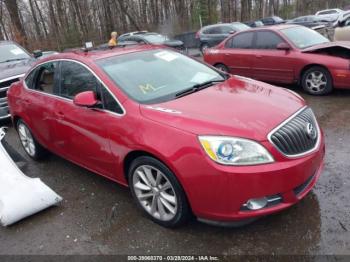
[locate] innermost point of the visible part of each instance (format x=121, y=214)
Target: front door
x=271, y=64
x=82, y=134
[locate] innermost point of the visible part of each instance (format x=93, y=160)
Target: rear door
x=82, y=133
x=40, y=101
x=238, y=54
x=271, y=64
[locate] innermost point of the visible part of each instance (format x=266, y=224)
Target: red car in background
x=186, y=138
x=285, y=54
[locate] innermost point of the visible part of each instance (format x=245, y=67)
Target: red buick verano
x=186, y=138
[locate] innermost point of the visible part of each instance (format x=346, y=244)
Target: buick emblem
x=310, y=131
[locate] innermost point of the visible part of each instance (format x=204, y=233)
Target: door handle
x=258, y=56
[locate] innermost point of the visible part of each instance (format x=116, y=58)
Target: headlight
x=235, y=151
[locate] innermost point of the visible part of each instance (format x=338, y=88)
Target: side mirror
x=86, y=99
x=232, y=32
x=283, y=46
x=37, y=53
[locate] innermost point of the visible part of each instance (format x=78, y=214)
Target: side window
x=206, y=31
x=215, y=30
x=42, y=78
x=109, y=102
x=241, y=41
x=226, y=29
x=30, y=79
x=268, y=21
x=76, y=79
x=267, y=40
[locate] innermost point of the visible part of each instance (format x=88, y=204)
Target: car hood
x=343, y=44
x=238, y=107
x=173, y=43
x=15, y=68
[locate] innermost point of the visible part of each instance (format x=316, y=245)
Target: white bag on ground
x=20, y=196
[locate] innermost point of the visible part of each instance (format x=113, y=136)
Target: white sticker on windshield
x=167, y=56
x=17, y=51
x=201, y=77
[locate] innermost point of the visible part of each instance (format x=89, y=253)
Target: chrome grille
x=4, y=86
x=297, y=136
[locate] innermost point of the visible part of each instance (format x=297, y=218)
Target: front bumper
x=4, y=109
x=341, y=78
x=221, y=192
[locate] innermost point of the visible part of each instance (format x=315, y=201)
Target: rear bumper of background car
x=222, y=192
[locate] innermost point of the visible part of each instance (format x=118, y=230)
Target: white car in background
x=330, y=15
x=342, y=31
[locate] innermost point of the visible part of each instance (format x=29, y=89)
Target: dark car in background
x=14, y=63
x=144, y=37
x=273, y=20
x=310, y=21
x=213, y=35
x=256, y=23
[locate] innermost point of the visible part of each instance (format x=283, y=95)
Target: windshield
x=303, y=37
x=156, y=76
x=241, y=27
x=155, y=39
x=12, y=52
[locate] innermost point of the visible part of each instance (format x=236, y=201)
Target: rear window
x=241, y=41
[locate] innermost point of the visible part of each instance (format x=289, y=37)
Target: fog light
x=256, y=204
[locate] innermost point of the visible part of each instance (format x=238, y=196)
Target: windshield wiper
x=198, y=87
x=12, y=60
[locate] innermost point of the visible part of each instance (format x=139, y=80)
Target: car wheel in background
x=29, y=143
x=317, y=81
x=157, y=192
x=204, y=47
x=222, y=67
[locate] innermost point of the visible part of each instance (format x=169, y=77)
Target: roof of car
x=221, y=24
x=2, y=42
x=101, y=54
x=273, y=27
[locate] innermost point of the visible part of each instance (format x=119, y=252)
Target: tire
x=222, y=67
x=169, y=207
x=317, y=81
x=203, y=47
x=29, y=143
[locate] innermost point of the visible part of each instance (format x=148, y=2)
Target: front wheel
x=317, y=81
x=157, y=192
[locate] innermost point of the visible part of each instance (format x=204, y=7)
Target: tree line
x=61, y=24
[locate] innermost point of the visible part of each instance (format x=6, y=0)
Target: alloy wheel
x=316, y=81
x=155, y=193
x=26, y=139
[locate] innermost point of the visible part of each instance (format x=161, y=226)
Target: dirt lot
x=99, y=217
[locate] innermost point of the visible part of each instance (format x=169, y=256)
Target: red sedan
x=186, y=138
x=285, y=54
